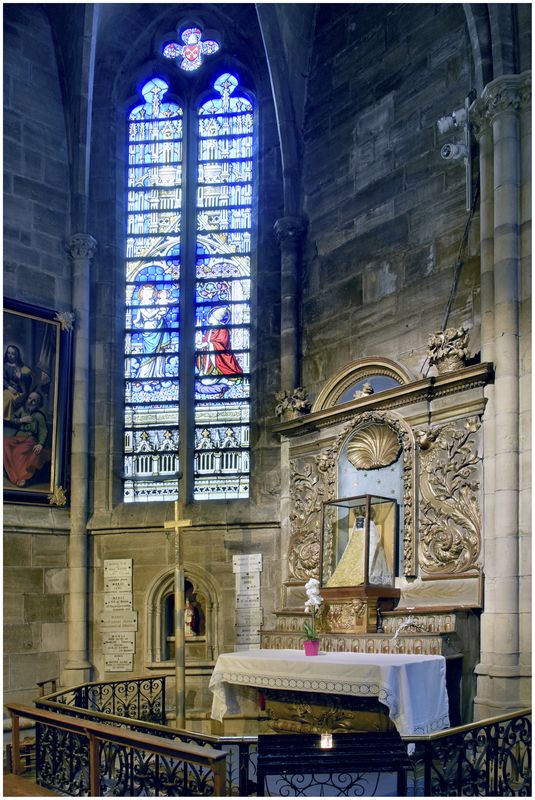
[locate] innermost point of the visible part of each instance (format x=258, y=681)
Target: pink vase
x=311, y=648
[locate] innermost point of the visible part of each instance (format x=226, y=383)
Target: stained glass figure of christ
x=223, y=187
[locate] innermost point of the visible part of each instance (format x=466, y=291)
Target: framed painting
x=36, y=399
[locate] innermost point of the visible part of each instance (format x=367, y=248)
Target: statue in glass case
x=359, y=542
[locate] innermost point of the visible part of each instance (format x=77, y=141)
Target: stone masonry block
x=53, y=636
x=56, y=581
x=13, y=608
x=22, y=638
x=17, y=549
x=23, y=580
x=50, y=551
x=44, y=608
x=26, y=670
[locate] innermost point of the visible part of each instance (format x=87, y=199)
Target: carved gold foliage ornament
x=373, y=447
x=305, y=520
x=450, y=525
x=58, y=497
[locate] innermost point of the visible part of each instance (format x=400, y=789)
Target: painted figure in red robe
x=218, y=358
x=25, y=451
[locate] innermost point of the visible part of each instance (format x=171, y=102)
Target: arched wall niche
x=365, y=369
x=202, y=594
x=314, y=480
x=375, y=422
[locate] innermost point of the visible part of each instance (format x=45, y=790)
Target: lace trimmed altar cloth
x=413, y=687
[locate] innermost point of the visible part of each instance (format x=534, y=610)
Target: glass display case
x=359, y=542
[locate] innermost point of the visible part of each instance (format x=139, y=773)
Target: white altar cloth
x=413, y=687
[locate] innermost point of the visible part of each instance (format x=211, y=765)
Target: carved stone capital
x=81, y=245
x=507, y=93
x=289, y=230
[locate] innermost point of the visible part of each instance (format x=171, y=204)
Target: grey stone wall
x=386, y=213
x=36, y=182
x=36, y=208
x=35, y=629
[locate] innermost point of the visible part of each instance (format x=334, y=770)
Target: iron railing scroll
x=489, y=758
x=80, y=758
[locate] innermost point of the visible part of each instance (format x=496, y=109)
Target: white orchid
x=314, y=601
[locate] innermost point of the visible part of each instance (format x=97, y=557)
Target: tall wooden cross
x=177, y=524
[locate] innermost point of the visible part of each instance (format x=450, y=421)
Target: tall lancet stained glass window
x=152, y=388
x=218, y=272
x=222, y=292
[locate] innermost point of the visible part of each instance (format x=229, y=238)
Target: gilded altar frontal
x=267, y=370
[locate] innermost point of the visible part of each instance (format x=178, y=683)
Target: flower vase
x=311, y=648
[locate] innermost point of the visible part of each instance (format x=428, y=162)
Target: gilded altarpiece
x=437, y=423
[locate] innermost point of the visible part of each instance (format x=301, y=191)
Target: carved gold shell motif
x=373, y=447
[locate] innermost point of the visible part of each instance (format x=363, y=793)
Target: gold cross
x=177, y=524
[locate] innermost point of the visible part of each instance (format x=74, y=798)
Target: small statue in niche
x=365, y=391
x=190, y=619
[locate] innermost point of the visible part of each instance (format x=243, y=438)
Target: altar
x=411, y=689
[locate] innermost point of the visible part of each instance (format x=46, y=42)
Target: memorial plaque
x=118, y=600
x=248, y=600
x=116, y=642
x=247, y=634
x=248, y=563
x=121, y=583
x=249, y=616
x=241, y=647
x=117, y=567
x=248, y=583
x=121, y=620
x=122, y=662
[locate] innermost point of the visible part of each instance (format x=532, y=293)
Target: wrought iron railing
x=81, y=758
x=489, y=758
x=241, y=750
x=135, y=698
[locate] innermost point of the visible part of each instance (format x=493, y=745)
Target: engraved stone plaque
x=117, y=642
x=120, y=662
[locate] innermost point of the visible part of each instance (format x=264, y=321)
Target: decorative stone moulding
x=448, y=350
x=450, y=518
x=354, y=372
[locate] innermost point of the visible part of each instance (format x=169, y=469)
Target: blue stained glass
x=224, y=176
x=152, y=296
x=222, y=317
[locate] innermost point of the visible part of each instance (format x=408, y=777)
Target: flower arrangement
x=314, y=601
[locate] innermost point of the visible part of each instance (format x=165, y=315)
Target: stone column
x=499, y=671
x=289, y=231
x=81, y=248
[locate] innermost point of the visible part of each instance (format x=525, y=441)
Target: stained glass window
x=218, y=271
x=152, y=297
x=222, y=293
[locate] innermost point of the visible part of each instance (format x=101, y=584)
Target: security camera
x=452, y=152
x=454, y=120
